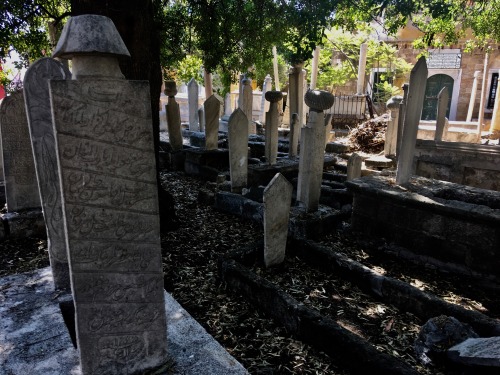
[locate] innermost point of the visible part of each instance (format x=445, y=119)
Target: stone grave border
x=323, y=333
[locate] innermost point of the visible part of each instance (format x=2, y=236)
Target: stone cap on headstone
x=273, y=96
x=318, y=100
x=393, y=103
x=90, y=34
x=170, y=88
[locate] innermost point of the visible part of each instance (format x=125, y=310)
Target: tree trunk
x=134, y=20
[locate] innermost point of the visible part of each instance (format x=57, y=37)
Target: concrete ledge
x=35, y=340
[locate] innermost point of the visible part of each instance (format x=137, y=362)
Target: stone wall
x=454, y=224
x=458, y=162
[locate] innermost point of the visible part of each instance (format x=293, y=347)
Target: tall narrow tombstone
x=312, y=150
x=37, y=99
x=212, y=112
x=277, y=201
x=391, y=134
x=238, y=150
x=246, y=104
x=314, y=69
x=264, y=105
x=360, y=87
x=295, y=99
x=201, y=118
x=106, y=162
x=354, y=165
x=415, y=101
x=21, y=189
x=328, y=128
x=401, y=118
x=473, y=94
x=272, y=119
x=173, y=117
x=442, y=106
x=294, y=123
x=193, y=94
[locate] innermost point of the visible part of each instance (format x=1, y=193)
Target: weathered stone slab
x=173, y=117
x=414, y=103
x=21, y=188
x=354, y=166
x=106, y=160
x=277, y=200
x=477, y=351
x=238, y=150
x=212, y=111
x=312, y=150
x=443, y=98
x=246, y=103
x=272, y=122
x=193, y=94
x=36, y=94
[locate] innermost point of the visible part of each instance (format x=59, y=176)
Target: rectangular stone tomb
x=110, y=203
x=455, y=224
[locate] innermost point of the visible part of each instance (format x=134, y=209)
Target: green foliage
x=25, y=24
x=339, y=58
x=189, y=67
x=385, y=91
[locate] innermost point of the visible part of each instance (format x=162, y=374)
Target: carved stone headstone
x=110, y=200
x=238, y=150
x=36, y=94
x=294, y=123
x=173, y=117
x=391, y=134
x=21, y=189
x=312, y=150
x=201, y=118
x=264, y=105
x=193, y=94
x=277, y=200
x=295, y=97
x=442, y=106
x=246, y=104
x=354, y=166
x=415, y=101
x=272, y=121
x=212, y=112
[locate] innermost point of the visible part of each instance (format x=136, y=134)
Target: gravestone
x=354, y=166
x=201, y=118
x=414, y=103
x=212, y=112
x=442, y=106
x=193, y=93
x=401, y=118
x=312, y=150
x=107, y=166
x=391, y=134
x=246, y=104
x=238, y=150
x=173, y=117
x=264, y=105
x=294, y=123
x=37, y=99
x=272, y=121
x=21, y=189
x=277, y=200
x=295, y=99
